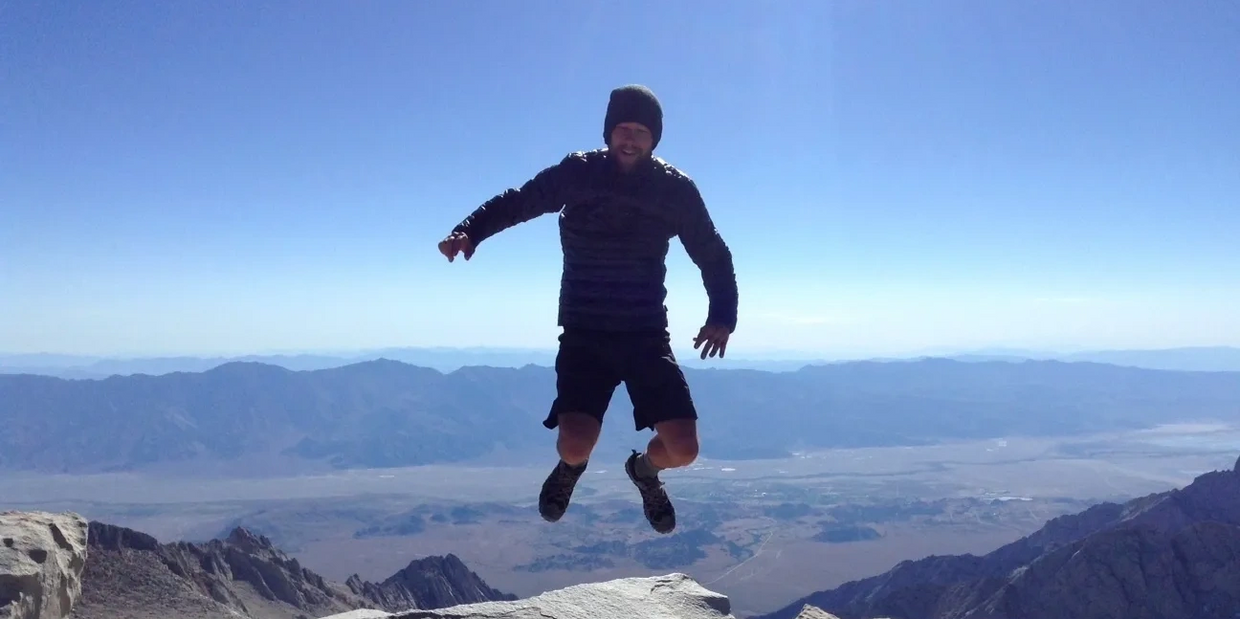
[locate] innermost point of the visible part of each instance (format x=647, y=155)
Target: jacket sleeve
x=541, y=195
x=708, y=251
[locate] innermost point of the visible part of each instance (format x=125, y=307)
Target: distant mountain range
x=1195, y=359
x=1200, y=359
x=442, y=359
x=1174, y=554
x=388, y=414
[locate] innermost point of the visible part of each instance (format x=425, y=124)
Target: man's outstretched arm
x=543, y=194
x=708, y=251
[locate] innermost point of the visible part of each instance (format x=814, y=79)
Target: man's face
x=630, y=143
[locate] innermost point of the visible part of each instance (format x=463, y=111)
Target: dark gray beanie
x=634, y=103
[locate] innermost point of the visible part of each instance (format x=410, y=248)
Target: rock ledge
x=664, y=597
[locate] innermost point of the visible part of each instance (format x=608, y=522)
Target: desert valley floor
x=762, y=531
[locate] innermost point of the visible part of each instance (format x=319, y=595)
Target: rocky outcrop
x=813, y=612
x=42, y=556
x=1129, y=573
x=245, y=575
x=433, y=582
x=674, y=595
x=1167, y=555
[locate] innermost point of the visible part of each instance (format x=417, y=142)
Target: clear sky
x=241, y=176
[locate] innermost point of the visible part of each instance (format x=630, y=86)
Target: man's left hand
x=715, y=339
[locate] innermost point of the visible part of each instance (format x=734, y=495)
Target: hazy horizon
x=760, y=354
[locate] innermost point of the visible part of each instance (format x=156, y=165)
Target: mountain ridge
x=1173, y=550
x=385, y=413
x=245, y=575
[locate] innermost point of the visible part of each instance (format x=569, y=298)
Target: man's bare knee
x=683, y=450
x=680, y=441
x=578, y=435
x=573, y=449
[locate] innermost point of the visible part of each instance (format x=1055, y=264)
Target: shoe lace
x=565, y=476
x=650, y=487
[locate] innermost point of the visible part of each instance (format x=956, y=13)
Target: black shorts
x=591, y=364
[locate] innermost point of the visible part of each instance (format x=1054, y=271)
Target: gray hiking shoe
x=557, y=490
x=655, y=502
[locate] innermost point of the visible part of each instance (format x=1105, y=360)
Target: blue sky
x=218, y=177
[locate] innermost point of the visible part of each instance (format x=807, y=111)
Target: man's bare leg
x=675, y=444
x=579, y=434
x=577, y=437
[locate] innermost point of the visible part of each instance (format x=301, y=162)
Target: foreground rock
x=675, y=596
x=1171, y=555
x=42, y=556
x=813, y=612
x=131, y=574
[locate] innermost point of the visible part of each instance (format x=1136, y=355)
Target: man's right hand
x=457, y=242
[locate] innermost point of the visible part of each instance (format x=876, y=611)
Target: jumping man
x=619, y=207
